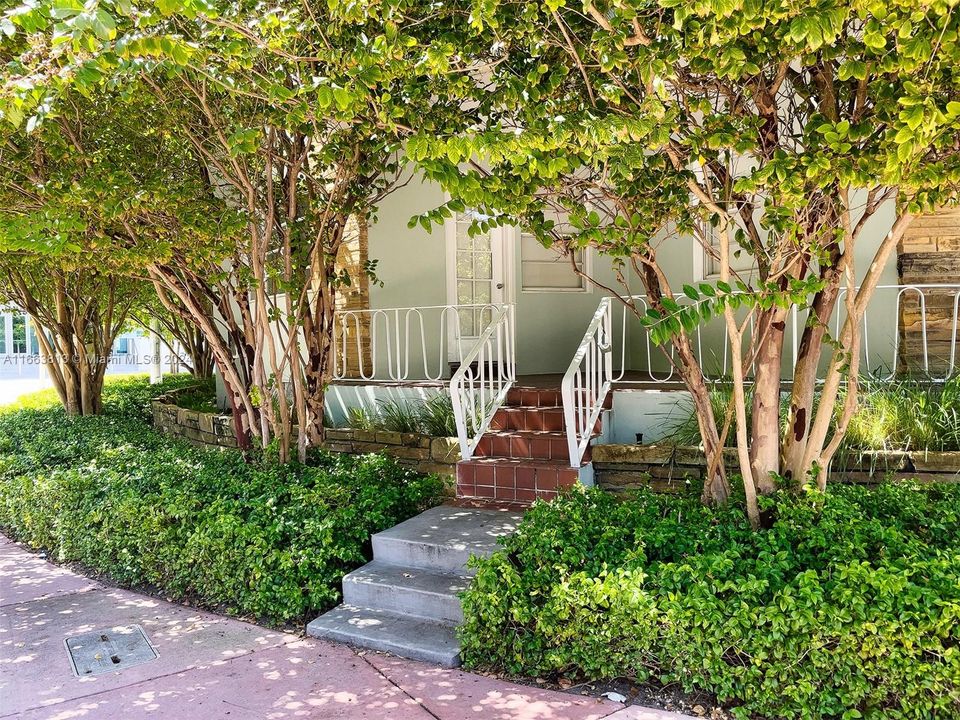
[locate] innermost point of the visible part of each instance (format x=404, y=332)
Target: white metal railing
x=405, y=344
x=587, y=381
x=622, y=352
x=479, y=386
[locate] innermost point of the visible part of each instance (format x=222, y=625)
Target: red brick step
x=511, y=479
x=524, y=455
x=519, y=444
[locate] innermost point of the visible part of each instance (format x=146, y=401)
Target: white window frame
x=704, y=265
x=586, y=266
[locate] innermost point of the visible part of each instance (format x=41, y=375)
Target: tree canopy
x=769, y=131
x=766, y=131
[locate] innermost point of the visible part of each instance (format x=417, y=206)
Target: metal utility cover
x=104, y=651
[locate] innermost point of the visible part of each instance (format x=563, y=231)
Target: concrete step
x=409, y=637
x=443, y=538
x=407, y=591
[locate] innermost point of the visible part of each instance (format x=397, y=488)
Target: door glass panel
x=20, y=334
x=467, y=324
x=464, y=264
x=475, y=279
x=464, y=292
x=481, y=293
x=483, y=266
x=464, y=241
x=32, y=339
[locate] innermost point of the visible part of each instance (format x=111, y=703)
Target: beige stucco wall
x=412, y=268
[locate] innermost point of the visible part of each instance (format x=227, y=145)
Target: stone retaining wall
x=424, y=453
x=198, y=428
x=669, y=468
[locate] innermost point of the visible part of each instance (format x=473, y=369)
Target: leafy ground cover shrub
x=257, y=539
x=848, y=607
x=126, y=396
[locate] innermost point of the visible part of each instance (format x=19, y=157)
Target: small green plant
x=202, y=398
x=359, y=419
x=682, y=429
x=436, y=417
x=893, y=415
x=433, y=416
x=399, y=416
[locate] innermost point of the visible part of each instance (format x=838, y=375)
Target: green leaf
x=103, y=25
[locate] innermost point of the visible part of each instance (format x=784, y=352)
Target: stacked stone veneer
x=668, y=468
x=198, y=428
x=424, y=453
x=929, y=254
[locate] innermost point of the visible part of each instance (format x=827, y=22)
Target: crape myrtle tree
x=182, y=336
x=77, y=311
x=297, y=114
x=75, y=194
x=773, y=131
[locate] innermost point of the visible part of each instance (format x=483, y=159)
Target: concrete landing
x=406, y=601
x=443, y=538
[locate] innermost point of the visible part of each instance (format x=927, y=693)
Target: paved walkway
x=213, y=667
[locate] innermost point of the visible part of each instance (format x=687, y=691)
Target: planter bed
x=673, y=468
x=423, y=453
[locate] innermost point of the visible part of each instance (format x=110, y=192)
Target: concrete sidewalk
x=211, y=667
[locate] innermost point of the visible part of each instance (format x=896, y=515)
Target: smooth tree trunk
x=809, y=352
x=716, y=488
x=183, y=293
x=812, y=445
x=77, y=316
x=764, y=450
x=156, y=368
x=318, y=328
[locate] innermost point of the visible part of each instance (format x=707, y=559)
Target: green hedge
x=255, y=539
x=848, y=607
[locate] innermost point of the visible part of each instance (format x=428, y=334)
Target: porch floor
x=632, y=380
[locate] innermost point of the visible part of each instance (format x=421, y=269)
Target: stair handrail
x=479, y=386
x=587, y=381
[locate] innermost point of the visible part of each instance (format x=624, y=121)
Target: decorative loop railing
x=587, y=381
x=405, y=344
x=479, y=386
x=917, y=333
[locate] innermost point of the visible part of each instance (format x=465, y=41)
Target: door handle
x=499, y=286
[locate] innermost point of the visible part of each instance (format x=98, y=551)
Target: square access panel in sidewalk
x=106, y=651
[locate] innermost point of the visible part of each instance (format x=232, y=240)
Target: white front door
x=475, y=278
